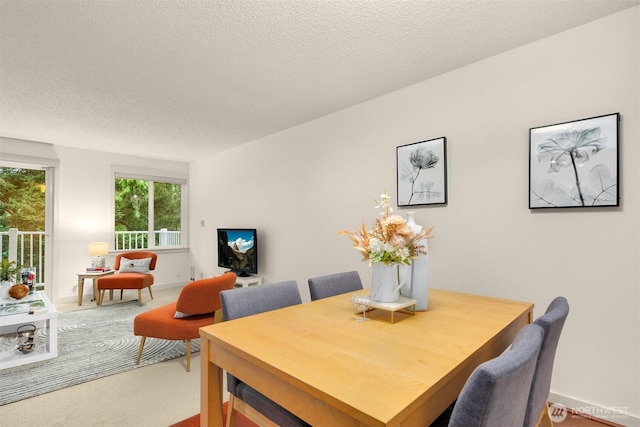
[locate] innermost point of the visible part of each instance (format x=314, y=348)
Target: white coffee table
x=12, y=316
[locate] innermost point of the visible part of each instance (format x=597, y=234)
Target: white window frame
x=153, y=175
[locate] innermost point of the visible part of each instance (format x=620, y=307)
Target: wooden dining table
x=316, y=360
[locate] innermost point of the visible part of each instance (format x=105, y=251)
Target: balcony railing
x=26, y=248
x=130, y=240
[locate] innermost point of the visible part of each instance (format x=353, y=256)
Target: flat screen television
x=238, y=250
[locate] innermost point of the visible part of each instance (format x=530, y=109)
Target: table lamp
x=98, y=250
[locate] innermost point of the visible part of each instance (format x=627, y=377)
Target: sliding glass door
x=25, y=201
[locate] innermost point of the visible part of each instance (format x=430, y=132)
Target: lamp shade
x=98, y=248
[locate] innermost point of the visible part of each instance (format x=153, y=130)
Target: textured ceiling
x=181, y=79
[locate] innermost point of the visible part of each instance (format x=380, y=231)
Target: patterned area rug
x=92, y=343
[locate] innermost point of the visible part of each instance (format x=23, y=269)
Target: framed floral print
x=422, y=173
x=574, y=164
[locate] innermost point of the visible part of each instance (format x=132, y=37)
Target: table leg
x=80, y=289
x=210, y=389
x=95, y=290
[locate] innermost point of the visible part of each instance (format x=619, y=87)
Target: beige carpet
x=157, y=395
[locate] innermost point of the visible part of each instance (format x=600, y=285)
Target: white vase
x=418, y=284
x=386, y=281
x=4, y=289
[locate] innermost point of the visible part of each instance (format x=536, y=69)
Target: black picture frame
x=422, y=173
x=575, y=164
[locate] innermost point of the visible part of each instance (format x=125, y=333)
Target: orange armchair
x=181, y=320
x=134, y=273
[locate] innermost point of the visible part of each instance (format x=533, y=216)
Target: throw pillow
x=181, y=315
x=134, y=265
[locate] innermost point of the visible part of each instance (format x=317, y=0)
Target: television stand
x=243, y=282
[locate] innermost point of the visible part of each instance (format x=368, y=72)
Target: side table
x=95, y=275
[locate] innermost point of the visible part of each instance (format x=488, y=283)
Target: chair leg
x=248, y=411
x=110, y=294
x=150, y=293
x=231, y=411
x=544, y=420
x=140, y=297
x=140, y=350
x=121, y=290
x=188, y=355
x=100, y=296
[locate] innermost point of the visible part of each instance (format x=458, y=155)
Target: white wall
x=83, y=213
x=300, y=186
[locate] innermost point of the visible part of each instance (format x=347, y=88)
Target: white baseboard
x=74, y=298
x=618, y=415
x=169, y=285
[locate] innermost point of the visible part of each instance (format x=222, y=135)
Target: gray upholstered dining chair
x=241, y=302
x=496, y=393
x=334, y=284
x=552, y=323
